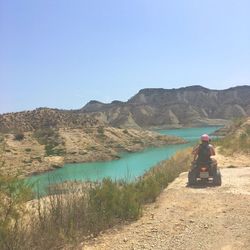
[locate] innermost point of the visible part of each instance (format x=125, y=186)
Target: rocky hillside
x=190, y=106
x=46, y=118
x=193, y=105
x=237, y=139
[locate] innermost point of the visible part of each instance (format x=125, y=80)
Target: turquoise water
x=128, y=167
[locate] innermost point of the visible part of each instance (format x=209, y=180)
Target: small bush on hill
x=19, y=136
x=46, y=136
x=100, y=130
x=51, y=139
x=1, y=138
x=125, y=131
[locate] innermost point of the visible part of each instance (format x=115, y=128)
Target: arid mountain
x=193, y=105
x=149, y=108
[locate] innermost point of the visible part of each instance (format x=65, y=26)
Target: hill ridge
x=149, y=108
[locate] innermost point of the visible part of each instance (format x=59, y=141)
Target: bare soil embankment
x=191, y=218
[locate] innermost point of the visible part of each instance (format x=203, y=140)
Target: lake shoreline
x=106, y=158
x=128, y=166
x=47, y=150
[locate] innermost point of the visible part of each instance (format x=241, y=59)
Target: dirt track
x=204, y=217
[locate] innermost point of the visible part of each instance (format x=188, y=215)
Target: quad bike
x=204, y=172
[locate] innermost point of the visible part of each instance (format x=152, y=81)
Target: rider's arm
x=195, y=152
x=212, y=151
x=195, y=149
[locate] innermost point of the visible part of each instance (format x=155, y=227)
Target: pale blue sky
x=61, y=54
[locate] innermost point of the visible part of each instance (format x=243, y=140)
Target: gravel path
x=204, y=217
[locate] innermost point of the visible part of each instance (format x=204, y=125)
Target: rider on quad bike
x=203, y=167
x=204, y=151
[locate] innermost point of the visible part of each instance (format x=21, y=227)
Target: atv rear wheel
x=192, y=178
x=217, y=178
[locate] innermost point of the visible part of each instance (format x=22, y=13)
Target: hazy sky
x=63, y=53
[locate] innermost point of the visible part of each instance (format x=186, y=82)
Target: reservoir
x=128, y=167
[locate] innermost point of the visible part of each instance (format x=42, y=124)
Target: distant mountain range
x=194, y=105
x=149, y=108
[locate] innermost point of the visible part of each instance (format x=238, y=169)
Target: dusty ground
x=204, y=217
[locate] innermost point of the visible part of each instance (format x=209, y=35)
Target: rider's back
x=204, y=153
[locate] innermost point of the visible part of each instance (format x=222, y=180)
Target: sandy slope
x=191, y=218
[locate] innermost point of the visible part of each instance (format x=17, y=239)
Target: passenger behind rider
x=205, y=141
